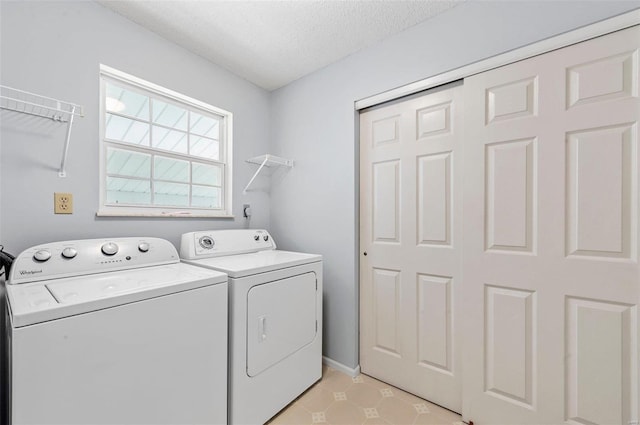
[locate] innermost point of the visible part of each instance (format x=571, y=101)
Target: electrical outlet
x=63, y=203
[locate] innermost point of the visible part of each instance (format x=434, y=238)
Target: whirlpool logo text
x=28, y=272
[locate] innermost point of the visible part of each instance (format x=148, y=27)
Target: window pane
x=170, y=169
x=175, y=141
x=128, y=163
x=206, y=174
x=169, y=115
x=173, y=194
x=205, y=148
x=127, y=102
x=128, y=191
x=205, y=126
x=205, y=197
x=161, y=152
x=126, y=130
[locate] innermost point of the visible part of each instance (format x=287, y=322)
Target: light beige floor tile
x=317, y=399
x=293, y=415
x=373, y=382
x=387, y=392
x=318, y=418
x=364, y=395
x=442, y=412
x=345, y=413
x=371, y=412
x=431, y=419
x=408, y=397
x=396, y=411
x=328, y=370
x=376, y=421
x=336, y=382
x=421, y=408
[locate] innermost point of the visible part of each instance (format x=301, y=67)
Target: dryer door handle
x=262, y=328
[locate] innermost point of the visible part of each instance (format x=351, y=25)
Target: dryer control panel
x=216, y=243
x=89, y=256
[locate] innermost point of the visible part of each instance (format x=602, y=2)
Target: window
x=162, y=153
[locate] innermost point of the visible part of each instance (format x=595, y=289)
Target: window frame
x=163, y=94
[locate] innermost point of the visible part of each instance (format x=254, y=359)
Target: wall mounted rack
x=267, y=161
x=44, y=107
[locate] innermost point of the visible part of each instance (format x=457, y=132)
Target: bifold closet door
x=410, y=181
x=551, y=276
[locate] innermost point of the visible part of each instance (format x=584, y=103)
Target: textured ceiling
x=272, y=43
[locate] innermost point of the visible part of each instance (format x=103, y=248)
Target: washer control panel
x=215, y=243
x=89, y=256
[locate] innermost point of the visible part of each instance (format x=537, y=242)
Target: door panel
x=599, y=181
x=386, y=300
x=510, y=195
x=509, y=344
x=550, y=245
x=434, y=199
x=410, y=230
x=610, y=77
x=598, y=331
x=435, y=322
x=386, y=201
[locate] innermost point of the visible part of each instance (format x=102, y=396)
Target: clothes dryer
x=116, y=331
x=275, y=318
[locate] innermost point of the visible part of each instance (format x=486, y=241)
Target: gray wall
x=314, y=209
x=54, y=49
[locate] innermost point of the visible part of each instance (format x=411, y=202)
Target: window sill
x=165, y=214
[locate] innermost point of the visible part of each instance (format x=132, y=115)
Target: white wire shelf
x=266, y=160
x=271, y=161
x=40, y=106
x=44, y=107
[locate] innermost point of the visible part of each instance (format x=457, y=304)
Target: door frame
x=575, y=36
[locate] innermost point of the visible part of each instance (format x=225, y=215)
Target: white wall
x=54, y=49
x=314, y=207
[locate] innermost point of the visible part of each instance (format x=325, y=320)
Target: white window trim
x=154, y=210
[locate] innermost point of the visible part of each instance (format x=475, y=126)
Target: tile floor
x=338, y=399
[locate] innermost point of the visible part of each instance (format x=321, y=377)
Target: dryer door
x=281, y=319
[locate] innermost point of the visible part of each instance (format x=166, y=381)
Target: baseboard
x=342, y=368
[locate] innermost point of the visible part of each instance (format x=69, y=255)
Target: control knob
x=69, y=253
x=207, y=242
x=256, y=237
x=143, y=247
x=265, y=237
x=110, y=248
x=42, y=255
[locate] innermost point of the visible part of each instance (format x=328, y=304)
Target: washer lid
x=256, y=262
x=53, y=299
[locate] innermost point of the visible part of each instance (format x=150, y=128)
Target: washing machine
x=116, y=331
x=275, y=318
